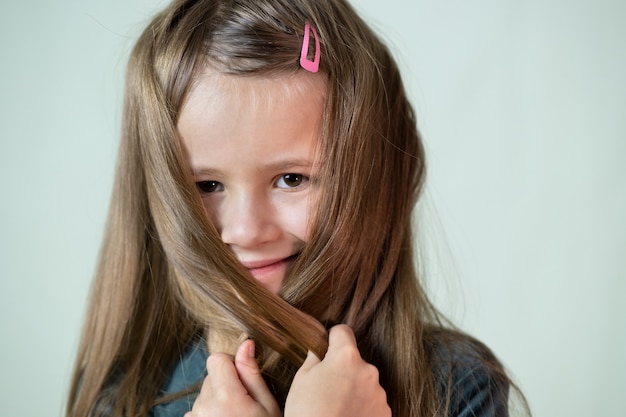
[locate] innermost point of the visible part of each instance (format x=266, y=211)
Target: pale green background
x=523, y=108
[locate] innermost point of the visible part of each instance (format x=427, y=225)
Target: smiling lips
x=270, y=272
x=259, y=269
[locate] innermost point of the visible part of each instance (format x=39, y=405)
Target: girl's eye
x=291, y=180
x=206, y=187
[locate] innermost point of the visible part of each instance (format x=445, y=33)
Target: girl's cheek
x=311, y=210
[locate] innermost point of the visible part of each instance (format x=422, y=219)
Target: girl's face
x=252, y=146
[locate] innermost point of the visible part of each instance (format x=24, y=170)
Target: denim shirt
x=189, y=371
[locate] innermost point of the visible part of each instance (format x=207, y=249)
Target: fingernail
x=251, y=350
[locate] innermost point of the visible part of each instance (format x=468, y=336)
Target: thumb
x=310, y=361
x=252, y=379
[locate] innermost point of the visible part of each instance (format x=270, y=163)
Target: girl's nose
x=248, y=221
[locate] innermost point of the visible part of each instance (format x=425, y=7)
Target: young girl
x=258, y=258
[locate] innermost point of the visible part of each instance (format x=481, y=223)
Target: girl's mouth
x=270, y=273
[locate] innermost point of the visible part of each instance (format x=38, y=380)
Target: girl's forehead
x=258, y=89
x=236, y=108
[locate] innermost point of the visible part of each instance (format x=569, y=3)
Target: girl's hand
x=234, y=388
x=341, y=385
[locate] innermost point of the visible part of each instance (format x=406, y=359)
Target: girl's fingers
x=341, y=336
x=342, y=384
x=234, y=388
x=222, y=376
x=252, y=379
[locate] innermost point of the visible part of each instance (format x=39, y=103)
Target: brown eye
x=290, y=180
x=206, y=187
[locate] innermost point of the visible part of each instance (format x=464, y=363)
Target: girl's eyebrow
x=280, y=165
x=205, y=172
x=290, y=163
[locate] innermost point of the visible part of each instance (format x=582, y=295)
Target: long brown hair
x=164, y=276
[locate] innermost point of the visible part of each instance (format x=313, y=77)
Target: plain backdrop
x=523, y=110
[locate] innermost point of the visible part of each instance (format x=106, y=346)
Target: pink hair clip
x=305, y=62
